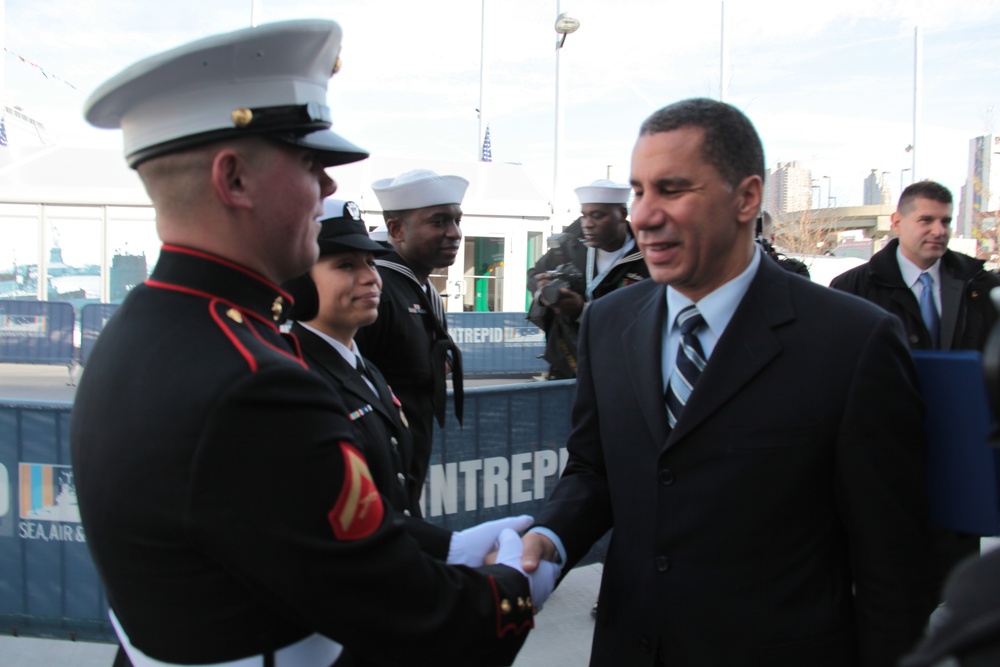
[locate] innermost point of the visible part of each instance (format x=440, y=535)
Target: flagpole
x=482, y=74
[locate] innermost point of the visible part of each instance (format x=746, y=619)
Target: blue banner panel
x=498, y=343
x=504, y=461
x=36, y=332
x=506, y=458
x=93, y=317
x=50, y=587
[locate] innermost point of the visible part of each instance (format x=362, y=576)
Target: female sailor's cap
x=266, y=81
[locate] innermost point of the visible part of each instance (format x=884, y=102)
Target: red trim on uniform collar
x=212, y=299
x=232, y=265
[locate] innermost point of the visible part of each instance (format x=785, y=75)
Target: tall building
x=788, y=188
x=981, y=192
x=877, y=189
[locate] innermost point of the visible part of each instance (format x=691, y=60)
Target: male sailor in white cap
x=229, y=514
x=594, y=256
x=409, y=341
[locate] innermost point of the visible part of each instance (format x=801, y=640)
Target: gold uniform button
x=529, y=604
x=242, y=117
x=520, y=604
x=505, y=606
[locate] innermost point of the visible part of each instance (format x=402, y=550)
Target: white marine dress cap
x=419, y=188
x=603, y=191
x=268, y=81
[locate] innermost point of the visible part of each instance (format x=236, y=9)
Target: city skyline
x=830, y=87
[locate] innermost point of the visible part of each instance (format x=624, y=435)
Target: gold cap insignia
x=505, y=606
x=242, y=117
x=234, y=315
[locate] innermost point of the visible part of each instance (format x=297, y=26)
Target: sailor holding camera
x=594, y=256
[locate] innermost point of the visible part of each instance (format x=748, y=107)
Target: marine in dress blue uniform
x=229, y=512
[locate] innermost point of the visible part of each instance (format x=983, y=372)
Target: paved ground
x=561, y=637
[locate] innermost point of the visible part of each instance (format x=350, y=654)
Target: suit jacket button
x=393, y=442
x=662, y=564
x=914, y=339
x=666, y=476
x=401, y=478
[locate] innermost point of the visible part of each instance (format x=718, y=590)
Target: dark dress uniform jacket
x=561, y=332
x=224, y=511
x=410, y=348
x=379, y=433
x=967, y=314
x=782, y=522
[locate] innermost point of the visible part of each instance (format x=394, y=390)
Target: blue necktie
x=929, y=311
x=689, y=364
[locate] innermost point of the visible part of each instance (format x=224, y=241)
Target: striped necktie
x=688, y=366
x=929, y=311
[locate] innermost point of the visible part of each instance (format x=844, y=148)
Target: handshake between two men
x=498, y=542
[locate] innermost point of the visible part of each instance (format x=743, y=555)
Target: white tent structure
x=87, y=203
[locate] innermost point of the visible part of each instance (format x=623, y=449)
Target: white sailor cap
x=265, y=81
x=419, y=188
x=603, y=191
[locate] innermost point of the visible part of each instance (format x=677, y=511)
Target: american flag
x=487, y=148
x=3, y=131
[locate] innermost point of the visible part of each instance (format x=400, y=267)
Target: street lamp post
x=565, y=24
x=819, y=193
x=902, y=173
x=829, y=190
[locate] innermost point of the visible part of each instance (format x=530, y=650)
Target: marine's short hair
x=731, y=143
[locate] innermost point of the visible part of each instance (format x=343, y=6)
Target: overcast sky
x=827, y=84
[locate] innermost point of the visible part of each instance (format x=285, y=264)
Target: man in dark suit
x=959, y=285
x=953, y=313
x=773, y=514
x=228, y=512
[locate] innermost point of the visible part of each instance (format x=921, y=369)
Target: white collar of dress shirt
x=718, y=306
x=911, y=272
x=349, y=355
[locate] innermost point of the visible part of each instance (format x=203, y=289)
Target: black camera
x=564, y=276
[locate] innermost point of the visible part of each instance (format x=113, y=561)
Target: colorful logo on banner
x=23, y=325
x=48, y=493
x=6, y=498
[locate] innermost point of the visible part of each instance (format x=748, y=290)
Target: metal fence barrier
x=503, y=461
x=36, y=332
x=41, y=332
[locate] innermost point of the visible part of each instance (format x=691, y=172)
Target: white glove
x=541, y=581
x=470, y=546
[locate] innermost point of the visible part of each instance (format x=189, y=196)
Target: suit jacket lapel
x=642, y=343
x=951, y=297
x=747, y=346
x=329, y=362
